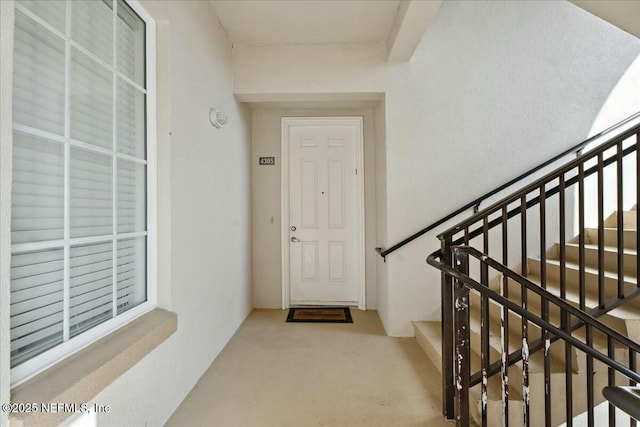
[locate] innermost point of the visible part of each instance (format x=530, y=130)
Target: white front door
x=325, y=214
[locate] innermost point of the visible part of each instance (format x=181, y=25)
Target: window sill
x=81, y=376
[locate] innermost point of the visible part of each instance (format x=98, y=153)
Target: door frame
x=288, y=122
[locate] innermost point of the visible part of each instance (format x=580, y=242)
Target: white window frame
x=41, y=362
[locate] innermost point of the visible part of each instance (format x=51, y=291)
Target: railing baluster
x=504, y=354
x=611, y=380
x=543, y=246
x=523, y=299
x=581, y=238
x=568, y=357
x=484, y=326
x=447, y=315
x=484, y=355
x=632, y=383
x=563, y=240
x=523, y=235
x=485, y=235
x=620, y=220
x=545, y=305
x=564, y=318
x=525, y=361
x=601, y=267
x=547, y=375
x=504, y=323
x=590, y=415
x=462, y=343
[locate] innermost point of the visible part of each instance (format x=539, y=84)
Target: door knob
x=295, y=240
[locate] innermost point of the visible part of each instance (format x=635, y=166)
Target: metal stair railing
x=523, y=223
x=619, y=354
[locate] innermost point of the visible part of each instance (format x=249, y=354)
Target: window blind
x=91, y=286
x=39, y=77
x=79, y=230
x=36, y=303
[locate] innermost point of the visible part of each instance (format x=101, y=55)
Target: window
x=82, y=211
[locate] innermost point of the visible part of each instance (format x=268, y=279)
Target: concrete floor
x=274, y=373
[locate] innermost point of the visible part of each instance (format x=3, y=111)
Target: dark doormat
x=320, y=315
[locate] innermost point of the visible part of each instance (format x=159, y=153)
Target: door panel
x=336, y=261
x=309, y=193
x=309, y=261
x=323, y=212
x=336, y=194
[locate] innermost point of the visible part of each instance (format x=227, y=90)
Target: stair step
x=573, y=275
x=536, y=362
x=629, y=220
x=591, y=281
x=556, y=351
x=610, y=257
x=611, y=237
x=429, y=337
x=536, y=385
x=494, y=403
x=629, y=310
x=536, y=408
x=614, y=318
x=428, y=334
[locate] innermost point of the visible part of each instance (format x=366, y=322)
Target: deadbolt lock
x=293, y=228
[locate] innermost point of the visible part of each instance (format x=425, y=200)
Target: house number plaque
x=267, y=161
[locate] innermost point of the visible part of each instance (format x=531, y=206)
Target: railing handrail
x=624, y=397
x=476, y=202
x=434, y=261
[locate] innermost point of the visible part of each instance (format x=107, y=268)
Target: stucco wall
x=266, y=202
x=6, y=71
x=204, y=215
x=623, y=101
x=493, y=89
x=382, y=280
